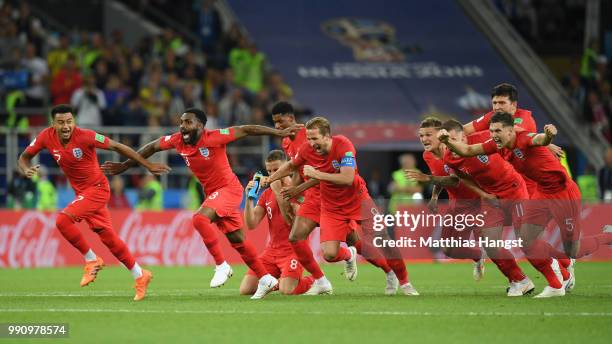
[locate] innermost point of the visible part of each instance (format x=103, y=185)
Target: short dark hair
x=505, y=90
x=504, y=118
x=276, y=155
x=61, y=108
x=200, y=115
x=320, y=123
x=452, y=124
x=431, y=122
x=282, y=108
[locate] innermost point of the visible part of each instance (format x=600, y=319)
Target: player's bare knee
x=247, y=290
x=330, y=254
x=235, y=237
x=286, y=287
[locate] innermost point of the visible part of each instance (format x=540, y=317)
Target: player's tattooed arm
x=441, y=181
x=24, y=165
x=258, y=130
x=113, y=168
x=460, y=148
x=345, y=177
x=544, y=139
x=285, y=170
x=252, y=213
x=432, y=205
x=290, y=192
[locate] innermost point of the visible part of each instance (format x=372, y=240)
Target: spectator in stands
x=186, y=99
x=151, y=194
x=89, y=102
x=116, y=95
x=21, y=192
x=589, y=61
x=134, y=114
x=605, y=178
x=212, y=114
x=155, y=98
x=403, y=190
x=170, y=64
x=191, y=62
x=209, y=27
x=233, y=109
x=118, y=200
x=59, y=55
x=36, y=93
x=46, y=199
x=65, y=82
x=279, y=90
x=93, y=51
x=597, y=113
x=587, y=183
x=248, y=65
x=168, y=40
x=9, y=44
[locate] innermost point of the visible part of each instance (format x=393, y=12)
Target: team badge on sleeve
x=77, y=152
x=348, y=160
x=224, y=131
x=100, y=138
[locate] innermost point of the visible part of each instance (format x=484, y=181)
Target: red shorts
x=505, y=213
x=471, y=207
x=563, y=206
x=226, y=203
x=311, y=208
x=335, y=229
x=90, y=205
x=280, y=265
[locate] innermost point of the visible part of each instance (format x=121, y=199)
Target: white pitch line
x=244, y=312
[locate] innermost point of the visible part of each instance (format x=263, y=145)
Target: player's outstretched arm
x=460, y=148
x=345, y=177
x=259, y=130
x=544, y=139
x=252, y=214
x=285, y=170
x=293, y=191
x=24, y=162
x=283, y=205
x=113, y=168
x=155, y=168
x=441, y=181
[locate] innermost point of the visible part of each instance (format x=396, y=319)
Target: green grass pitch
x=180, y=307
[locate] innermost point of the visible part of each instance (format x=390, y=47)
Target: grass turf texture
x=180, y=307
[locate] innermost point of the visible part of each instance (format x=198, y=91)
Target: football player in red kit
x=205, y=154
x=557, y=197
x=74, y=150
x=278, y=256
x=331, y=160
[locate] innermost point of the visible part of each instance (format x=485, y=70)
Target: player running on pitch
x=308, y=215
x=331, y=160
x=278, y=256
x=557, y=197
x=205, y=155
x=496, y=177
x=462, y=197
x=74, y=150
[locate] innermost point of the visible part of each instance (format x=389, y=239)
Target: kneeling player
x=278, y=257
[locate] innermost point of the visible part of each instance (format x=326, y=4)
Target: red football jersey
x=78, y=159
x=536, y=162
x=279, y=229
x=440, y=169
x=338, y=201
x=207, y=159
x=491, y=172
x=291, y=148
x=522, y=118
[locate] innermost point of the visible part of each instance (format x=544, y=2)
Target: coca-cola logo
x=173, y=243
x=30, y=242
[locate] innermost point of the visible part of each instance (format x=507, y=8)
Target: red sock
x=465, y=253
x=373, y=256
x=306, y=258
x=116, y=246
x=399, y=267
x=71, y=233
x=209, y=235
x=343, y=254
x=249, y=256
x=303, y=285
x=507, y=265
x=543, y=266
